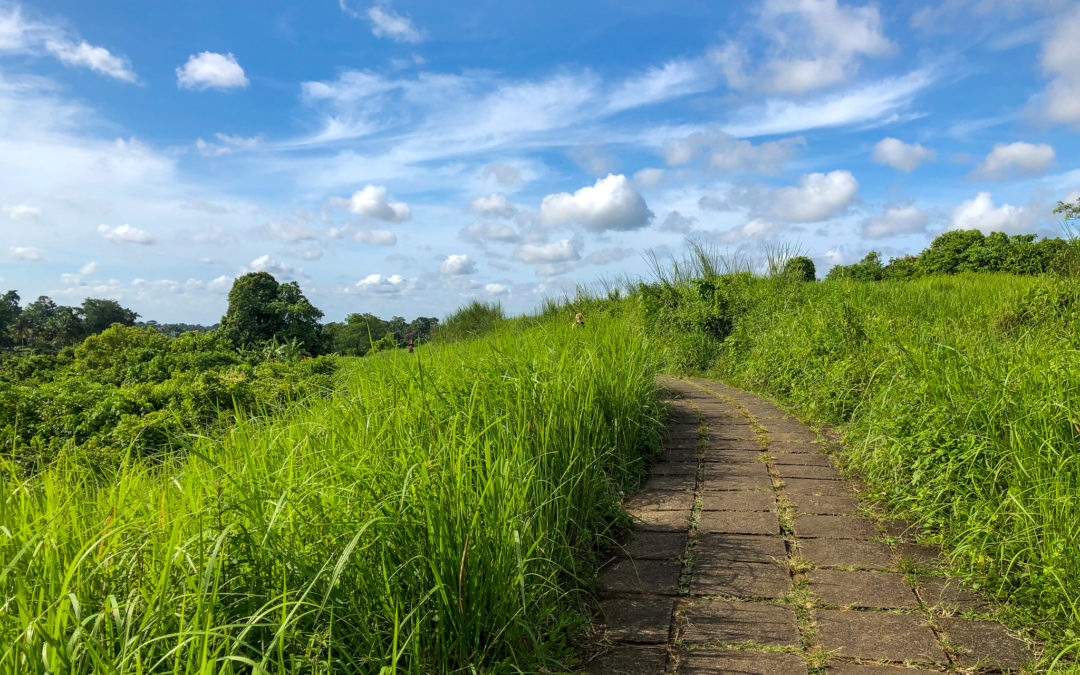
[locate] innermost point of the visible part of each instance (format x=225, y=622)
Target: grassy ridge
x=961, y=393
x=440, y=512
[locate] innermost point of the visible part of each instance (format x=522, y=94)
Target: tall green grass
x=441, y=513
x=962, y=397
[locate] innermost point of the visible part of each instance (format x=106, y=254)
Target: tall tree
x=260, y=309
x=99, y=314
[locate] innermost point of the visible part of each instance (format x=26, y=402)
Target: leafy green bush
x=800, y=267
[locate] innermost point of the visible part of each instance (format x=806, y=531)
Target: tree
x=9, y=312
x=946, y=252
x=800, y=267
x=260, y=310
x=867, y=269
x=99, y=314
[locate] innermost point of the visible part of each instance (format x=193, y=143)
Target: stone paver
x=878, y=635
x=880, y=590
x=660, y=483
x=871, y=555
x=624, y=660
x=808, y=486
x=740, y=580
x=824, y=505
x=687, y=468
x=948, y=595
x=834, y=527
x=663, y=521
x=814, y=458
x=657, y=500
x=738, y=501
x=864, y=669
x=724, y=472
x=807, y=471
x=641, y=576
x=652, y=545
x=711, y=661
x=985, y=643
x=635, y=618
x=712, y=548
x=920, y=554
x=724, y=456
x=739, y=483
x=707, y=620
x=739, y=522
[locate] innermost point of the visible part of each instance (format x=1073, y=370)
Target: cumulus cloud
x=125, y=234
x=22, y=212
x=900, y=155
x=209, y=70
x=372, y=202
x=1060, y=60
x=724, y=152
x=457, y=264
x=97, y=59
x=649, y=177
x=290, y=233
x=981, y=214
x=376, y=237
x=25, y=253
x=382, y=285
x=496, y=289
x=388, y=23
x=555, y=252
x=896, y=219
x=265, y=263
x=1014, y=159
x=818, y=196
x=755, y=229
x=677, y=222
x=493, y=205
x=808, y=44
x=611, y=204
x=481, y=231
x=88, y=268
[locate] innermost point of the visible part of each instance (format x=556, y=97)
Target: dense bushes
x=472, y=320
x=134, y=390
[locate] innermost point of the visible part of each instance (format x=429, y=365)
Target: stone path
x=750, y=554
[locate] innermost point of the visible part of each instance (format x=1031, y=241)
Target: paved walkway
x=750, y=554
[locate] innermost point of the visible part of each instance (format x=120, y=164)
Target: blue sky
x=403, y=158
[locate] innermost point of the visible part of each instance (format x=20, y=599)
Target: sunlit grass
x=441, y=512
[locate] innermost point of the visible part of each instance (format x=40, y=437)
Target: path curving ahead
x=751, y=554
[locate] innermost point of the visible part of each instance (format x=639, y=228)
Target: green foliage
x=800, y=267
x=867, y=269
x=262, y=310
x=136, y=391
x=356, y=335
x=97, y=315
x=46, y=327
x=439, y=514
x=960, y=396
x=474, y=319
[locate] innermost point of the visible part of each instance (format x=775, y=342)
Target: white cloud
x=227, y=144
x=1014, y=159
x=496, y=289
x=555, y=252
x=810, y=44
x=376, y=237
x=372, y=202
x=220, y=284
x=649, y=177
x=16, y=33
x=504, y=174
x=611, y=204
x=662, y=83
x=25, y=253
x=98, y=59
x=388, y=23
x=265, y=263
x=609, y=255
x=22, y=212
x=818, y=196
x=383, y=285
x=896, y=219
x=125, y=234
x=594, y=159
x=457, y=263
x=724, y=152
x=981, y=214
x=209, y=70
x=88, y=268
x=480, y=231
x=493, y=205
x=1061, y=61
x=677, y=222
x=900, y=155
x=311, y=254
x=755, y=229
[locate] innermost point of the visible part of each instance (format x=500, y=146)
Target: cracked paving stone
x=731, y=621
x=985, y=643
x=740, y=580
x=707, y=661
x=662, y=521
x=739, y=522
x=878, y=635
x=627, y=660
x=636, y=618
x=824, y=505
x=880, y=590
x=948, y=595
x=834, y=527
x=738, y=501
x=650, y=545
x=713, y=548
x=655, y=500
x=799, y=458
x=661, y=483
x=872, y=555
x=822, y=488
x=807, y=471
x=641, y=576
